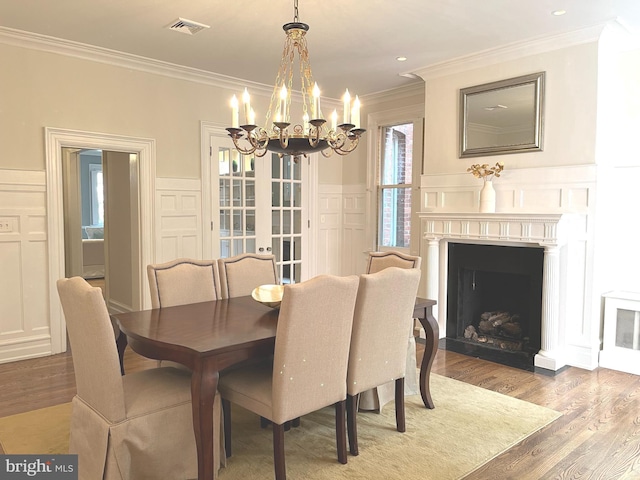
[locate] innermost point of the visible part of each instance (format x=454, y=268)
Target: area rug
x=468, y=427
x=39, y=431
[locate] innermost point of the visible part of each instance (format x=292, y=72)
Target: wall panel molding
x=529, y=190
x=178, y=219
x=25, y=331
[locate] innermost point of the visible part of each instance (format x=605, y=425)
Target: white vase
x=487, y=198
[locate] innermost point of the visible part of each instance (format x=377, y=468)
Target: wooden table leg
x=204, y=382
x=121, y=343
x=432, y=332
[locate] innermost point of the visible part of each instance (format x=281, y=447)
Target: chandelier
x=280, y=135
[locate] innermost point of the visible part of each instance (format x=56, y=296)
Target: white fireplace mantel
x=540, y=229
x=556, y=233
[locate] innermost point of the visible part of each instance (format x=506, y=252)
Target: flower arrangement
x=486, y=172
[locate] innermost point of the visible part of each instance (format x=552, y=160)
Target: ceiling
x=351, y=44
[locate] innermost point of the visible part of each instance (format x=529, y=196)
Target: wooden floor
x=598, y=436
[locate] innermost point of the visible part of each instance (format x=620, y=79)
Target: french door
x=258, y=205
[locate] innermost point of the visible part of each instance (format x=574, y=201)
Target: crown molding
x=512, y=51
x=410, y=90
x=44, y=43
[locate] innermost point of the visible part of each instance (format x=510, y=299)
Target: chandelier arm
x=314, y=136
x=242, y=150
x=284, y=137
x=314, y=132
x=261, y=153
x=353, y=144
x=337, y=141
x=259, y=140
x=327, y=155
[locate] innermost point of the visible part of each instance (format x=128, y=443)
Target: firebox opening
x=495, y=302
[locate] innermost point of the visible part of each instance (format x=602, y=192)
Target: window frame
x=395, y=188
x=376, y=121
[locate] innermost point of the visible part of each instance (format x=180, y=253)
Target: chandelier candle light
x=314, y=135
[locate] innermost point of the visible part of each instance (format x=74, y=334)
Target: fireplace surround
x=560, y=237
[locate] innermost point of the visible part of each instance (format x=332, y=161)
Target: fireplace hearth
x=494, y=305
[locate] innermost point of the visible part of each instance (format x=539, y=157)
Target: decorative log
x=470, y=333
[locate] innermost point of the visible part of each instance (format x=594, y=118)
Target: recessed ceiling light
x=558, y=13
x=401, y=59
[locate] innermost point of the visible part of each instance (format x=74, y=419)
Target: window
x=395, y=185
x=236, y=180
x=97, y=195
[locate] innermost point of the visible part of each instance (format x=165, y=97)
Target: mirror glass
x=502, y=117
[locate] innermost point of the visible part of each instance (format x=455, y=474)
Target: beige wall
x=50, y=90
x=569, y=110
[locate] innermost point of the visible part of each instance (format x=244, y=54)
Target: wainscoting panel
x=178, y=219
x=353, y=228
x=549, y=190
x=330, y=230
x=24, y=320
x=341, y=235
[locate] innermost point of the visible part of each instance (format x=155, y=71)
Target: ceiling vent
x=186, y=26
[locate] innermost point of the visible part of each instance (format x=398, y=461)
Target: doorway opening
x=100, y=191
x=143, y=171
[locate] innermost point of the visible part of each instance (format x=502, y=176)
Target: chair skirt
x=131, y=449
x=378, y=397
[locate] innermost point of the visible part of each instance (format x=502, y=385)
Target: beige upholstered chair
x=183, y=281
x=123, y=427
x=378, y=397
x=309, y=367
x=381, y=323
x=239, y=275
x=380, y=260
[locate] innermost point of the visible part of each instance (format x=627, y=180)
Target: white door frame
x=55, y=140
x=208, y=129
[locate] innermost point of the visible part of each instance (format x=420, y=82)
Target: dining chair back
x=380, y=260
x=240, y=274
x=309, y=366
x=123, y=427
x=381, y=323
x=378, y=397
x=183, y=281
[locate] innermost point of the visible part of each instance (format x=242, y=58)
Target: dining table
x=210, y=336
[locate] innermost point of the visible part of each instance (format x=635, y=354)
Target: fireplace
x=494, y=304
x=559, y=238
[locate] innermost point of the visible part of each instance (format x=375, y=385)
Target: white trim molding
x=55, y=140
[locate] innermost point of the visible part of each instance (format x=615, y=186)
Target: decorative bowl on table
x=269, y=295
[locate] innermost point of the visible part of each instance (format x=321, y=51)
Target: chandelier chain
x=305, y=74
x=295, y=11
